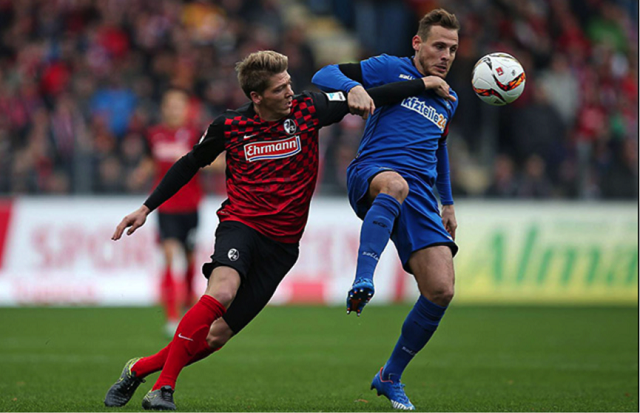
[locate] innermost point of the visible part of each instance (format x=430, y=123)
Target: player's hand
x=449, y=220
x=133, y=221
x=360, y=294
x=438, y=85
x=360, y=103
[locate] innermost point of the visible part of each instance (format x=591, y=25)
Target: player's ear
x=255, y=98
x=416, y=42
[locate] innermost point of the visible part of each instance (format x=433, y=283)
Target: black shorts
x=181, y=227
x=261, y=262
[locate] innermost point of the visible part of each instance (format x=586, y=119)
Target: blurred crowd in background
x=81, y=82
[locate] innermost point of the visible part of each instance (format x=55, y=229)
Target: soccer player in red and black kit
x=178, y=216
x=271, y=146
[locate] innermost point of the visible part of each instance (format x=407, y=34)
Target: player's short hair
x=437, y=17
x=255, y=70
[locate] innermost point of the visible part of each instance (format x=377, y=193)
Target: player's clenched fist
x=134, y=220
x=360, y=103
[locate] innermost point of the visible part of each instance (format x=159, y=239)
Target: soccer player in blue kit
x=402, y=155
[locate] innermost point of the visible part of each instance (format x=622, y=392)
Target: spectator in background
x=534, y=182
x=178, y=217
x=52, y=52
x=538, y=129
x=562, y=88
x=504, y=183
x=115, y=103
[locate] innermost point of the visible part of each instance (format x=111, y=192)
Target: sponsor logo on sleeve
x=336, y=97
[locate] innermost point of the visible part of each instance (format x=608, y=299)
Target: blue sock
x=375, y=233
x=418, y=327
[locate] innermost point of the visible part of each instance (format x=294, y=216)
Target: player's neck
x=267, y=115
x=416, y=63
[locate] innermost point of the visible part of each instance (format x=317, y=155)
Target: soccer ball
x=498, y=79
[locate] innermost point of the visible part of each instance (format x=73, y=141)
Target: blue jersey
x=409, y=138
x=405, y=136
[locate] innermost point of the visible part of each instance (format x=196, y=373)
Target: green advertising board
x=552, y=253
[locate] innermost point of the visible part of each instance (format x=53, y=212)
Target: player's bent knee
x=224, y=296
x=390, y=183
x=441, y=296
x=397, y=188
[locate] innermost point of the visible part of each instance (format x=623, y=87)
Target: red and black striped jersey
x=272, y=166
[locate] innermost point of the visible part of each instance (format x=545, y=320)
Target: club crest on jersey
x=272, y=149
x=290, y=126
x=429, y=112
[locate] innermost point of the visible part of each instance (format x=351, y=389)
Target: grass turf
x=319, y=359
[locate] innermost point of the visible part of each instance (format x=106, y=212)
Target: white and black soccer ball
x=498, y=79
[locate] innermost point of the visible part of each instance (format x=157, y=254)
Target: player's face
x=174, y=108
x=436, y=53
x=275, y=102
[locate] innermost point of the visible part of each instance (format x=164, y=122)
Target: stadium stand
x=81, y=81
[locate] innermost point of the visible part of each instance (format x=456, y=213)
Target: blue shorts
x=419, y=224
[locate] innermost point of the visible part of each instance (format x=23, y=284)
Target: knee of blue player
x=440, y=294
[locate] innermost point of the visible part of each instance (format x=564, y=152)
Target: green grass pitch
x=319, y=359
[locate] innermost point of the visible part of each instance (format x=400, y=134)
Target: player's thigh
x=433, y=269
x=262, y=280
x=359, y=178
x=234, y=248
x=419, y=225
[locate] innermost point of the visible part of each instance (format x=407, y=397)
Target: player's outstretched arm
x=178, y=175
x=133, y=221
x=333, y=77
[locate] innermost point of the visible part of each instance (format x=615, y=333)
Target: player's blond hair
x=437, y=17
x=255, y=70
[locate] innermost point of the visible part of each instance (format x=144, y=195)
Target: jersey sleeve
x=331, y=78
x=211, y=143
x=443, y=181
x=330, y=107
x=376, y=70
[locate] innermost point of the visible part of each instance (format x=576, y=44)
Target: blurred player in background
x=403, y=154
x=271, y=148
x=178, y=217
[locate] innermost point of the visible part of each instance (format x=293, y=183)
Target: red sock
x=168, y=295
x=151, y=364
x=190, y=341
